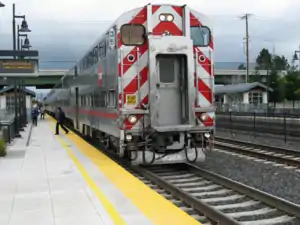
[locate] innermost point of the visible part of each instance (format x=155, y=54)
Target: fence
x=282, y=107
x=284, y=125
x=241, y=107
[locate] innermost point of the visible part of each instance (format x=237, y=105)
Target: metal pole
x=285, y=128
x=247, y=49
x=17, y=134
x=18, y=37
x=246, y=16
x=24, y=102
x=20, y=106
x=14, y=28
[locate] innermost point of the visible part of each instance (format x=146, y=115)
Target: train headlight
x=132, y=119
x=170, y=18
x=166, y=17
x=204, y=117
x=128, y=137
x=162, y=17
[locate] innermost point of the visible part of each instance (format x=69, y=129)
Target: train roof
x=116, y=23
x=57, y=94
x=11, y=88
x=238, y=88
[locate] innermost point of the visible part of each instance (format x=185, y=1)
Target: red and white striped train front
x=166, y=84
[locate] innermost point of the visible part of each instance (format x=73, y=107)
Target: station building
x=242, y=97
x=7, y=100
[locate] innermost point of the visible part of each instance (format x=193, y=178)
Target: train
x=145, y=88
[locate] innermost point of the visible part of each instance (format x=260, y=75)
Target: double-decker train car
x=145, y=89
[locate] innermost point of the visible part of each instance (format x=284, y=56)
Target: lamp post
x=2, y=5
x=24, y=103
x=17, y=123
x=295, y=57
x=20, y=108
x=24, y=26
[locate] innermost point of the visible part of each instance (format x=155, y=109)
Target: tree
x=280, y=63
x=292, y=86
x=273, y=65
x=264, y=60
x=255, y=77
x=241, y=67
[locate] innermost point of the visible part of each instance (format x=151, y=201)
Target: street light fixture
x=2, y=5
x=26, y=44
x=24, y=26
x=296, y=57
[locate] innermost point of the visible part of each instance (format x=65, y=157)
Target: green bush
x=2, y=148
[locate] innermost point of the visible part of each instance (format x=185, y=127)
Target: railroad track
x=210, y=198
x=280, y=156
x=220, y=199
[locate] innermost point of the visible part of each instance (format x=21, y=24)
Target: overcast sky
x=62, y=30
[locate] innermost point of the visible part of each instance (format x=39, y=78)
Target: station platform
x=62, y=180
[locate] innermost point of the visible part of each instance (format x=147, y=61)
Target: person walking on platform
x=42, y=113
x=34, y=115
x=60, y=117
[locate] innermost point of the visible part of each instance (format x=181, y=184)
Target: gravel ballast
x=284, y=183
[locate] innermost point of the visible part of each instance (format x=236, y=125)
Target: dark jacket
x=35, y=112
x=60, y=116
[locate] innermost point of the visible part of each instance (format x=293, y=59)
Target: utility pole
x=245, y=17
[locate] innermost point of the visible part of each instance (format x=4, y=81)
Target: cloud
x=64, y=30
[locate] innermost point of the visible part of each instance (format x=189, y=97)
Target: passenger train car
x=145, y=89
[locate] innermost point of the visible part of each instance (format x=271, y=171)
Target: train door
x=170, y=90
x=76, y=107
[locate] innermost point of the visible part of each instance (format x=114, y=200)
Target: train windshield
x=133, y=34
x=200, y=36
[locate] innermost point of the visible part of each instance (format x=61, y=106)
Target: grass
x=2, y=148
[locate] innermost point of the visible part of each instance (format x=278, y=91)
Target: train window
x=102, y=97
x=90, y=100
x=166, y=70
x=200, y=36
x=102, y=49
x=95, y=54
x=111, y=98
x=96, y=99
x=82, y=101
x=133, y=34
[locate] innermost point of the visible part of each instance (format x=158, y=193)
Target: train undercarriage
x=153, y=147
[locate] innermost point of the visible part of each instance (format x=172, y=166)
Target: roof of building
x=238, y=88
x=10, y=88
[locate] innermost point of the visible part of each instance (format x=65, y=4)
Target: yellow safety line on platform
x=113, y=213
x=159, y=210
